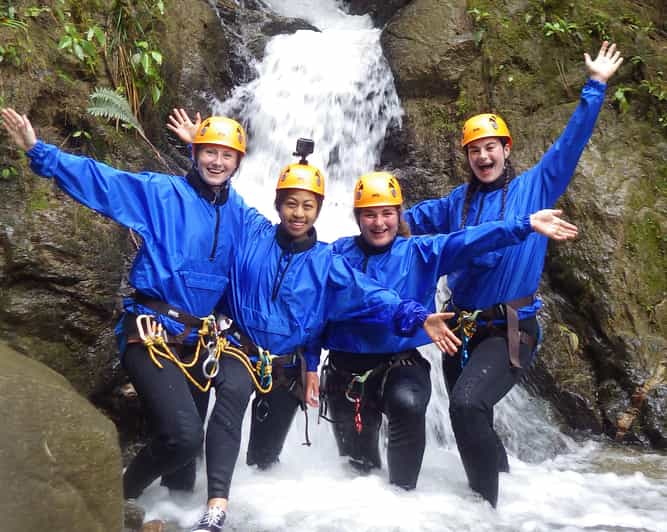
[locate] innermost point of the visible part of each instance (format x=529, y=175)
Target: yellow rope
x=236, y=353
x=157, y=347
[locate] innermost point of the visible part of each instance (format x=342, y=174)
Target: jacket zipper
x=215, y=235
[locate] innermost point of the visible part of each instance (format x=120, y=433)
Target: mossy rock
x=59, y=456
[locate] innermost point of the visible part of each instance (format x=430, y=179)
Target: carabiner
x=211, y=359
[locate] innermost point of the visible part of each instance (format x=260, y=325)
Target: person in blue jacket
x=370, y=372
x=494, y=300
x=285, y=286
x=179, y=274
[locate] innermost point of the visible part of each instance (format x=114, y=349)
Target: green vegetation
x=124, y=44
x=562, y=29
x=15, y=48
x=114, y=106
x=479, y=18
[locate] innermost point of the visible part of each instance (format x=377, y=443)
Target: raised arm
x=123, y=196
x=605, y=64
x=556, y=168
x=444, y=254
x=19, y=128
x=182, y=126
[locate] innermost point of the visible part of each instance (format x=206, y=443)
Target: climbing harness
x=466, y=323
x=212, y=340
x=355, y=390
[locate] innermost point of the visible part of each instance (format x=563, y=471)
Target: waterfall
x=335, y=87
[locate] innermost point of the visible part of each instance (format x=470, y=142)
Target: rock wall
x=604, y=319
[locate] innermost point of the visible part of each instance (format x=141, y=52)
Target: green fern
x=113, y=106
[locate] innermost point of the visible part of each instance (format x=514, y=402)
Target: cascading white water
x=334, y=86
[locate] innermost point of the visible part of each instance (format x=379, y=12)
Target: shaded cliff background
x=62, y=266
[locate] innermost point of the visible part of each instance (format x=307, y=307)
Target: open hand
x=547, y=222
x=442, y=336
x=19, y=128
x=605, y=64
x=181, y=124
x=312, y=392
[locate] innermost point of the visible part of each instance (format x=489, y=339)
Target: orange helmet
x=485, y=125
x=302, y=177
x=222, y=131
x=377, y=189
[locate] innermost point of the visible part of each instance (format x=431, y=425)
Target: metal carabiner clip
x=210, y=360
x=145, y=326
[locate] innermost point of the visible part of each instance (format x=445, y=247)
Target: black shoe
x=361, y=466
x=212, y=520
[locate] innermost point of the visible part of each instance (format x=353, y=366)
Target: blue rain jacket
x=283, y=293
x=186, y=230
x=504, y=275
x=412, y=266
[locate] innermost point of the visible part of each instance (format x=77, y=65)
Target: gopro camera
x=304, y=147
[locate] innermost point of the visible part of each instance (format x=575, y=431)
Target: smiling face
x=379, y=225
x=486, y=157
x=216, y=163
x=298, y=211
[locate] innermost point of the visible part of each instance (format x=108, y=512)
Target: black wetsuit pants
x=177, y=412
x=473, y=391
x=402, y=392
x=272, y=417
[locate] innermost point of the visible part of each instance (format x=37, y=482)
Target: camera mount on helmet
x=304, y=147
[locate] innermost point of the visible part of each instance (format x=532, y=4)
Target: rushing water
x=335, y=87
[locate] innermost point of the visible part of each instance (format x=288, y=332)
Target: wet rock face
x=381, y=11
x=62, y=265
x=255, y=25
x=604, y=317
x=59, y=457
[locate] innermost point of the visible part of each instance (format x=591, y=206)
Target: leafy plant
x=10, y=54
x=111, y=105
x=149, y=61
x=134, y=58
x=598, y=28
x=8, y=172
x=34, y=12
x=561, y=29
x=9, y=19
x=621, y=99
x=479, y=19
x=83, y=46
x=478, y=16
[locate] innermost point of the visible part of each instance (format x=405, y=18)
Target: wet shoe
x=212, y=520
x=361, y=466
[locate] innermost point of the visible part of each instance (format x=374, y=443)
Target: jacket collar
x=287, y=243
x=372, y=250
x=196, y=182
x=490, y=187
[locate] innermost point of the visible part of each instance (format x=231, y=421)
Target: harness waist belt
x=508, y=312
x=499, y=310
x=251, y=349
x=168, y=310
